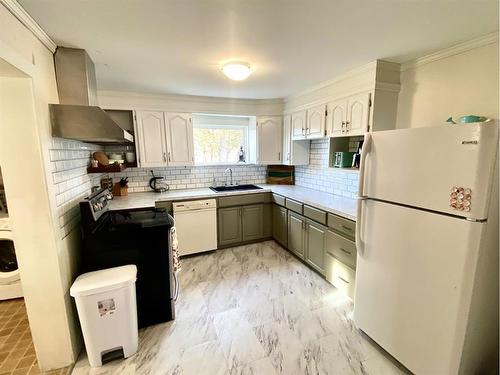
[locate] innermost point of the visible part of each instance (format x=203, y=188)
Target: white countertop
x=342, y=206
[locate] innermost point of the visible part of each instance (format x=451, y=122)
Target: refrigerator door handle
x=364, y=152
x=359, y=219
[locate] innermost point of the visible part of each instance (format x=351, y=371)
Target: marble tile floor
x=253, y=310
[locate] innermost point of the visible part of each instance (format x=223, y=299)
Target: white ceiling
x=166, y=46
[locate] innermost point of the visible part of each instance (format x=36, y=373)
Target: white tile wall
x=319, y=176
x=69, y=161
x=191, y=177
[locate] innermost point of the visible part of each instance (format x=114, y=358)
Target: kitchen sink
x=221, y=189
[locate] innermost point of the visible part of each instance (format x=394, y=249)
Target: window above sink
x=220, y=139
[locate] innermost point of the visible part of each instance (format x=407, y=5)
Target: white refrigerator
x=427, y=240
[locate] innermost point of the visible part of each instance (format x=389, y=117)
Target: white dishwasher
x=196, y=225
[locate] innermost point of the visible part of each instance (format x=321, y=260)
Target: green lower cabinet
x=280, y=224
x=229, y=226
x=315, y=246
x=296, y=225
x=252, y=218
x=268, y=220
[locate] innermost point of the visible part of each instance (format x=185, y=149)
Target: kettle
x=157, y=184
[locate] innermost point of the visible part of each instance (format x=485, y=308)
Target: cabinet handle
x=169, y=157
x=344, y=250
x=347, y=127
x=288, y=157
x=279, y=155
x=164, y=157
x=343, y=127
x=346, y=228
x=342, y=279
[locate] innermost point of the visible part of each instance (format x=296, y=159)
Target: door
x=180, y=139
x=229, y=225
x=280, y=230
x=336, y=118
x=270, y=140
x=296, y=234
x=151, y=139
x=315, y=245
x=419, y=167
x=299, y=125
x=287, y=138
x=252, y=221
x=315, y=124
x=415, y=273
x=358, y=113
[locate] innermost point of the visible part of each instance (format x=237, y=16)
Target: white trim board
x=451, y=51
x=20, y=13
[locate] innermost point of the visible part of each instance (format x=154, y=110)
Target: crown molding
x=451, y=51
x=349, y=74
x=20, y=13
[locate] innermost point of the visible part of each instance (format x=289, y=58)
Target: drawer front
x=341, y=225
x=293, y=205
x=279, y=199
x=340, y=275
x=341, y=248
x=244, y=199
x=315, y=214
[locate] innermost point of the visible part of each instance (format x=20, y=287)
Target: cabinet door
x=315, y=245
x=358, y=113
x=299, y=125
x=296, y=234
x=294, y=152
x=280, y=227
x=151, y=138
x=316, y=122
x=336, y=118
x=252, y=220
x=229, y=225
x=287, y=138
x=270, y=140
x=180, y=139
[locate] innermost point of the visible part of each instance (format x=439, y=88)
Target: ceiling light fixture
x=237, y=70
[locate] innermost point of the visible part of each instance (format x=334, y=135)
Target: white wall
x=46, y=260
x=462, y=84
x=187, y=103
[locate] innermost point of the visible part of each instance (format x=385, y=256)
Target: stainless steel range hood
x=78, y=116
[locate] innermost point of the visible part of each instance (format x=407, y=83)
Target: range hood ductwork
x=78, y=117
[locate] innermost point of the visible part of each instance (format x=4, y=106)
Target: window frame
x=246, y=144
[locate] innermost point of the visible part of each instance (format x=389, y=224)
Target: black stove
x=140, y=237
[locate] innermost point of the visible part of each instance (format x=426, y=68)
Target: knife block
x=119, y=191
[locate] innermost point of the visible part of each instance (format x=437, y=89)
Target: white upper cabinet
x=349, y=116
x=269, y=140
x=299, y=125
x=358, y=113
x=316, y=122
x=294, y=152
x=164, y=139
x=151, y=139
x=179, y=130
x=336, y=118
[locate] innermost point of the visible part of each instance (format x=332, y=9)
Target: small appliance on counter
x=158, y=184
x=343, y=159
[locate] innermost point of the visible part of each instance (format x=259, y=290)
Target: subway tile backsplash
x=319, y=176
x=192, y=176
x=69, y=160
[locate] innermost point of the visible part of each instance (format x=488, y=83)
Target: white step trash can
x=106, y=305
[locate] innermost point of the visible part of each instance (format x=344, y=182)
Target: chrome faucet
x=230, y=175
